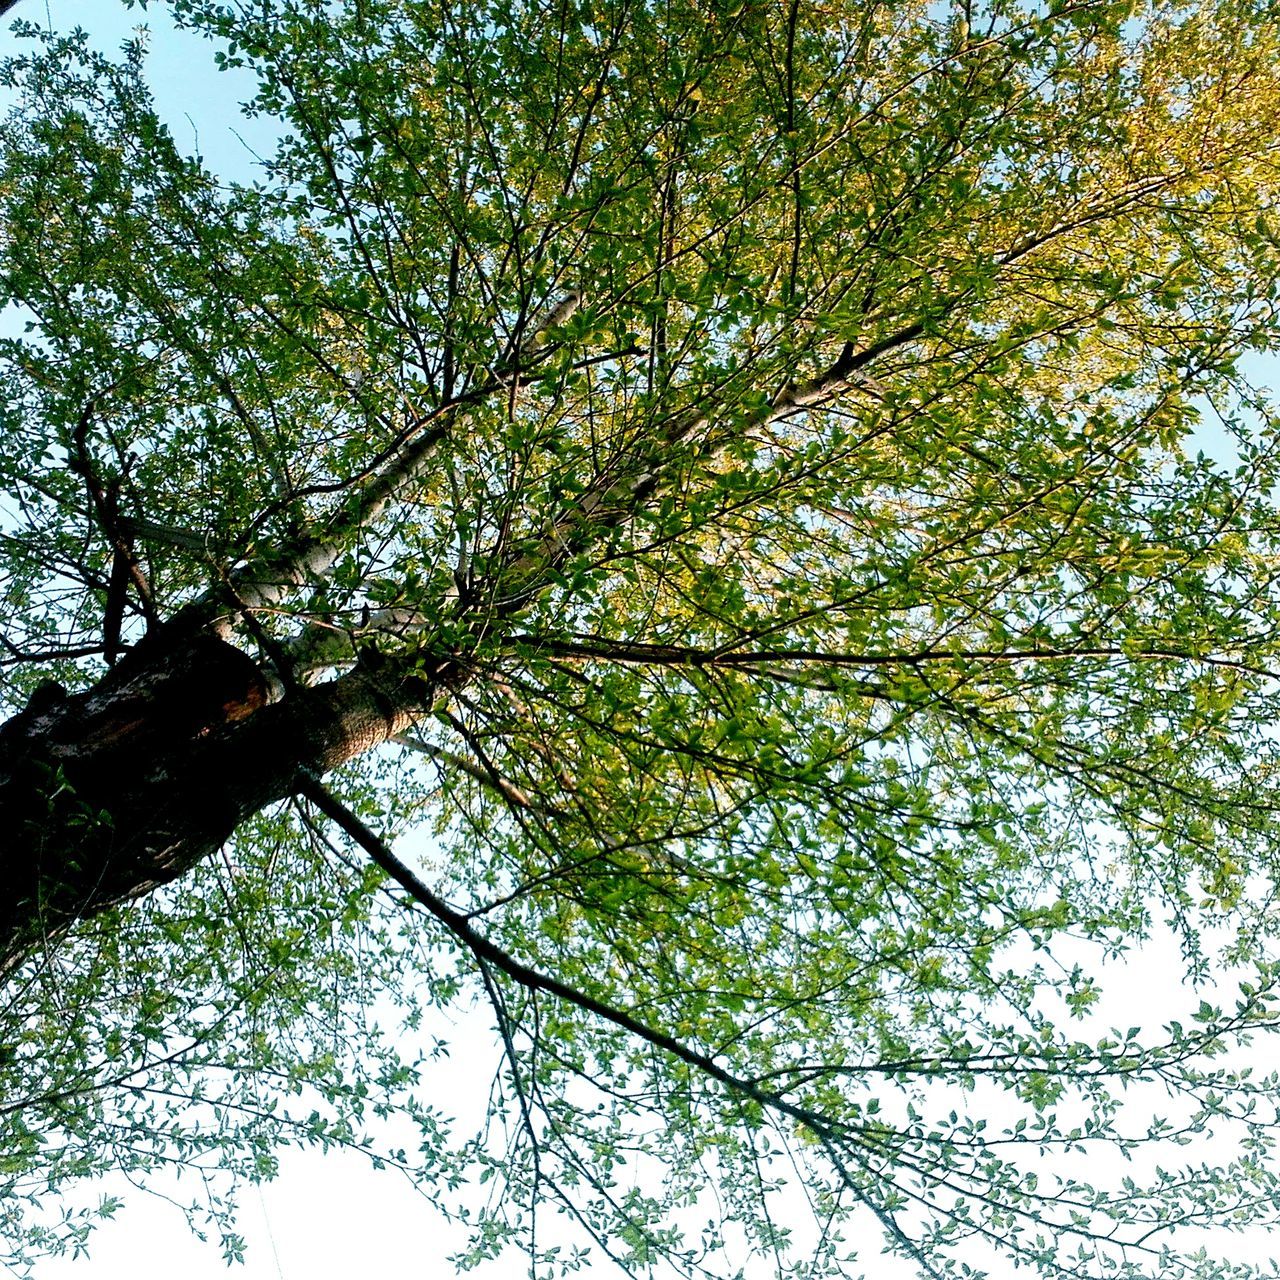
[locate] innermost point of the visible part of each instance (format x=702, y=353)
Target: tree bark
x=109, y=793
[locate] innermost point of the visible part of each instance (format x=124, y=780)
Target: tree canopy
x=741, y=535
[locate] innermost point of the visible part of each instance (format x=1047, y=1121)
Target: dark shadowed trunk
x=106, y=794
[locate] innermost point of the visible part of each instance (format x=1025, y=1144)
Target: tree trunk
x=107, y=794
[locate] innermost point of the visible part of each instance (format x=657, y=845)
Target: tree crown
x=750, y=456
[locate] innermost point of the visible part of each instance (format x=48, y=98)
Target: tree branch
x=724, y=656
x=488, y=952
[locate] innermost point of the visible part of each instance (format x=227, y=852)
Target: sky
x=331, y=1214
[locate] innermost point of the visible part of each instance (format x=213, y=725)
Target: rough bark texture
x=106, y=794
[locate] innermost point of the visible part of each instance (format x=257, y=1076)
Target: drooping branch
x=849, y=1147
x=488, y=952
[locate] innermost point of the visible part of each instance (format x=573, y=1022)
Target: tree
x=730, y=473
